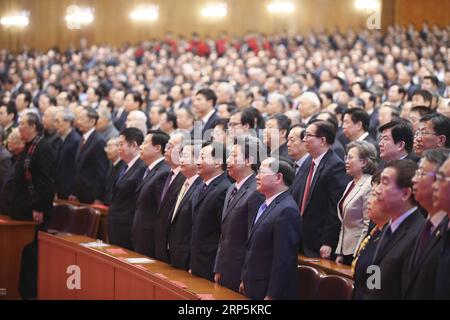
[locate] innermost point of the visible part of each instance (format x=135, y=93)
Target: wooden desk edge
x=328, y=266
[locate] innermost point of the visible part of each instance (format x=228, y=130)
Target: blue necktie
x=260, y=212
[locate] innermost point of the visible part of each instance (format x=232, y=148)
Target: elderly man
x=105, y=125
x=137, y=119
x=425, y=257
x=433, y=132
x=308, y=105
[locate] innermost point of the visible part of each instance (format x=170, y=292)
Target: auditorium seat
x=62, y=214
x=84, y=222
x=334, y=288
x=309, y=278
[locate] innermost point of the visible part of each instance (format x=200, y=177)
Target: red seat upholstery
x=334, y=288
x=309, y=278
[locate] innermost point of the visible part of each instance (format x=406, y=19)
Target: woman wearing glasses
x=360, y=163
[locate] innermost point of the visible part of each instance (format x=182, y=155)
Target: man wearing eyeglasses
x=433, y=132
x=425, y=255
x=322, y=185
x=441, y=192
x=270, y=265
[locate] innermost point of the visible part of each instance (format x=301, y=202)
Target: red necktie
x=307, y=187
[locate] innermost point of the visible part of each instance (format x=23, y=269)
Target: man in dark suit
x=425, y=255
x=356, y=126
x=116, y=166
x=270, y=265
x=149, y=193
x=206, y=116
x=172, y=187
x=396, y=142
x=34, y=180
x=50, y=132
x=441, y=190
x=123, y=200
x=65, y=167
x=8, y=115
x=91, y=164
x=397, y=240
x=370, y=101
x=207, y=209
x=322, y=185
x=180, y=228
x=241, y=203
x=276, y=134
x=297, y=152
x=5, y=164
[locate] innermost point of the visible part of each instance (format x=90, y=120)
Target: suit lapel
x=317, y=176
x=149, y=176
x=187, y=197
x=241, y=192
x=433, y=241
x=352, y=194
x=266, y=213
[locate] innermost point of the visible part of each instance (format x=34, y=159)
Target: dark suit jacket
x=122, y=207
x=237, y=219
x=365, y=260
x=282, y=152
x=43, y=165
x=338, y=149
x=66, y=165
x=442, y=287
x=270, y=266
x=374, y=123
x=55, y=142
x=417, y=285
x=91, y=167
x=164, y=216
x=207, y=218
x=119, y=123
x=394, y=257
x=210, y=124
x=5, y=164
x=374, y=142
x=111, y=178
x=180, y=229
x=320, y=223
x=148, y=201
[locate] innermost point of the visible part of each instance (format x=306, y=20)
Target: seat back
x=62, y=216
x=334, y=288
x=309, y=279
x=85, y=222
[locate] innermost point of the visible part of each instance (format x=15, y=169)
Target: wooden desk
x=14, y=235
x=106, y=275
x=328, y=266
x=103, y=225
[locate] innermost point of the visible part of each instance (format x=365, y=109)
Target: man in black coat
x=50, y=132
x=5, y=164
x=123, y=200
x=323, y=181
x=91, y=164
x=398, y=237
x=356, y=127
x=270, y=265
x=441, y=190
x=148, y=193
x=276, y=135
x=207, y=209
x=65, y=167
x=425, y=254
x=206, y=116
x=172, y=187
x=34, y=179
x=180, y=228
x=115, y=167
x=241, y=204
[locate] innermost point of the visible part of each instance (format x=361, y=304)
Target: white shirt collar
x=270, y=200
x=116, y=162
x=206, y=118
x=210, y=180
x=240, y=184
x=175, y=172
x=154, y=163
x=319, y=159
x=395, y=224
x=363, y=136
x=132, y=162
x=192, y=179
x=88, y=134
x=300, y=161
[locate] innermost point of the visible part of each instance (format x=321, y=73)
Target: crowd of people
x=228, y=158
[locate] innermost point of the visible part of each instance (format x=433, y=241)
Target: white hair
x=312, y=98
